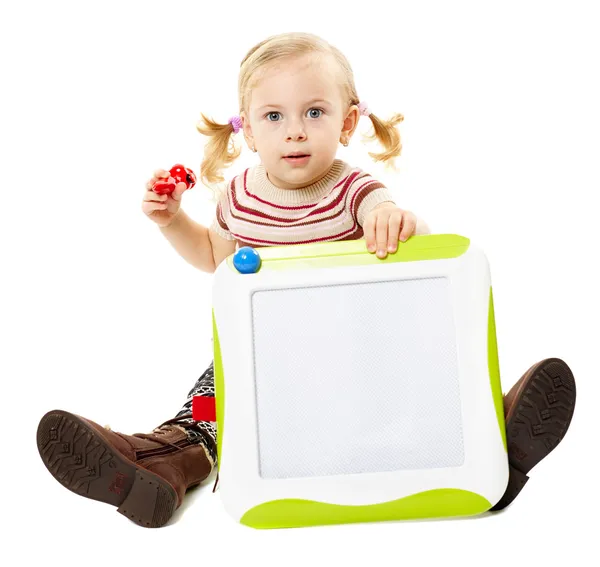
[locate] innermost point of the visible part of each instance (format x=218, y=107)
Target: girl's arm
x=194, y=244
x=221, y=247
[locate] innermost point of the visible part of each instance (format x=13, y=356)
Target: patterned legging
x=202, y=430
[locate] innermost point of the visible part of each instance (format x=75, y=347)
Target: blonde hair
x=220, y=150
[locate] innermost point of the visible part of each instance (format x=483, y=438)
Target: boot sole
x=78, y=457
x=542, y=413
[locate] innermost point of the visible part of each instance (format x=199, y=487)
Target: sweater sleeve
x=220, y=224
x=367, y=193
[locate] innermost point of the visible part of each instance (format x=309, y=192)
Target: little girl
x=297, y=102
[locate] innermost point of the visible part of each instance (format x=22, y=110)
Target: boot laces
x=165, y=428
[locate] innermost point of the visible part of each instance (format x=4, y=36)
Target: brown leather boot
x=145, y=475
x=538, y=410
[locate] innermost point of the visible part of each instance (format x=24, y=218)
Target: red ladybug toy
x=178, y=174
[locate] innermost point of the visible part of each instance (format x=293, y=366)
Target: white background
x=102, y=318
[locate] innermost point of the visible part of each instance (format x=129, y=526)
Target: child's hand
x=384, y=225
x=162, y=208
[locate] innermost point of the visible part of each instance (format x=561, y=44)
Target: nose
x=295, y=131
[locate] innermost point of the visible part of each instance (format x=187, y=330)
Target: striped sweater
x=254, y=212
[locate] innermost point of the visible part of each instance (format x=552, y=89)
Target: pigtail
x=386, y=133
x=220, y=151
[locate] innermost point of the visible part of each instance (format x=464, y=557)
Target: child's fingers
x=160, y=173
x=178, y=191
x=155, y=197
x=408, y=228
x=394, y=231
x=369, y=233
x=381, y=235
x=150, y=206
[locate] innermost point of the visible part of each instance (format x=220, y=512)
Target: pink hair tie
x=236, y=122
x=364, y=109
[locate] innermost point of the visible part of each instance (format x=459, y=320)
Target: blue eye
x=271, y=114
x=315, y=110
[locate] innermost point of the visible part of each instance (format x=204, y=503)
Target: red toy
x=178, y=174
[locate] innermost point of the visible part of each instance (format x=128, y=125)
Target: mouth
x=296, y=155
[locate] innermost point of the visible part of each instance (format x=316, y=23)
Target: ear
x=350, y=123
x=247, y=128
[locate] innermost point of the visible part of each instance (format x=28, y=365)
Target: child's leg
x=206, y=430
x=145, y=474
x=538, y=411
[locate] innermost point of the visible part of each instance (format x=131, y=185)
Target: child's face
x=297, y=106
